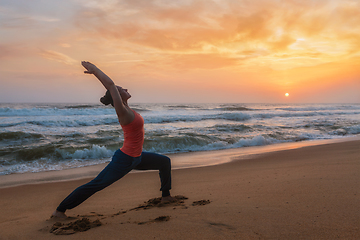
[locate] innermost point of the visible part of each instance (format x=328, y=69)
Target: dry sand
x=307, y=193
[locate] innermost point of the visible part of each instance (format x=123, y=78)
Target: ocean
x=45, y=137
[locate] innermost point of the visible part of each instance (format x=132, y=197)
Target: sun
x=286, y=94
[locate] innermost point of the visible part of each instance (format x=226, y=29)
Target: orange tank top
x=133, y=136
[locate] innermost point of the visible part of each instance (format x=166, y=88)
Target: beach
x=256, y=103
x=304, y=193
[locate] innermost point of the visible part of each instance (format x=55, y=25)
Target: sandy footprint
x=156, y=202
x=80, y=225
x=221, y=226
x=158, y=219
x=201, y=202
x=92, y=214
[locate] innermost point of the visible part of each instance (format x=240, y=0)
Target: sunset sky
x=243, y=51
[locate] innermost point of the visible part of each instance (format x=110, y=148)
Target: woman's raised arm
x=124, y=114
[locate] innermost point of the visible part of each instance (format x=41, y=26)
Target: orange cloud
x=59, y=57
x=189, y=27
x=203, y=61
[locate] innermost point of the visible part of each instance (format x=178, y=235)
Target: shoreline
x=189, y=160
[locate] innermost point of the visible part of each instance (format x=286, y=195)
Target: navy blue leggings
x=119, y=166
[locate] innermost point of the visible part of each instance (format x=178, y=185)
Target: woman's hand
x=125, y=114
x=90, y=68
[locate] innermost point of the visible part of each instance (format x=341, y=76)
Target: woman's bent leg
x=154, y=161
x=120, y=165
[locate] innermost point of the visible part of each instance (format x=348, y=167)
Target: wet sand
x=306, y=193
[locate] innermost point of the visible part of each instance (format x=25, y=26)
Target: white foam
x=95, y=152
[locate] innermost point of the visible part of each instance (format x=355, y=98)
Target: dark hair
x=107, y=99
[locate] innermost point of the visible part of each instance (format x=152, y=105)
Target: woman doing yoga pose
x=130, y=156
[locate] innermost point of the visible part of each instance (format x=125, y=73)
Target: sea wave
x=320, y=108
x=231, y=128
x=202, y=142
x=96, y=117
x=80, y=106
x=94, y=152
x=54, y=152
x=11, y=136
x=195, y=118
x=71, y=111
x=38, y=137
x=75, y=122
x=349, y=130
x=48, y=165
x=184, y=106
x=234, y=108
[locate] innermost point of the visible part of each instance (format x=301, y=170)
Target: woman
x=129, y=157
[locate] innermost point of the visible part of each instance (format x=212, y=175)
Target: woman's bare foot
x=58, y=214
x=168, y=199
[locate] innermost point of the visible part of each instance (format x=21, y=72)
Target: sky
x=206, y=51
